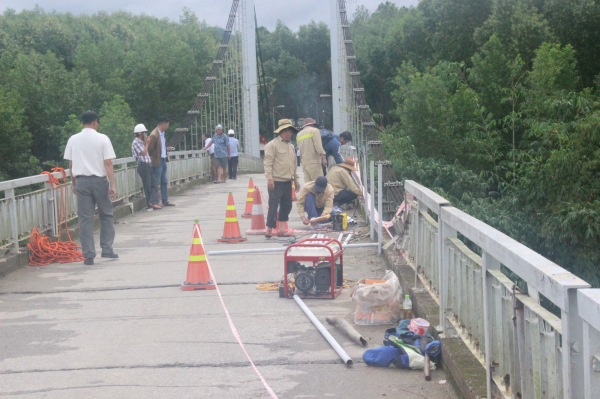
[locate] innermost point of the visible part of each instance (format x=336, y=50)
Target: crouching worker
x=344, y=188
x=316, y=199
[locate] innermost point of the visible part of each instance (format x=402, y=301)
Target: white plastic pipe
x=282, y=249
x=340, y=237
x=336, y=347
x=348, y=237
x=372, y=200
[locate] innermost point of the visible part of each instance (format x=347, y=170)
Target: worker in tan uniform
x=312, y=154
x=316, y=200
x=280, y=170
x=339, y=176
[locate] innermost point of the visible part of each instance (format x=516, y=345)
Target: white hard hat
x=231, y=132
x=140, y=128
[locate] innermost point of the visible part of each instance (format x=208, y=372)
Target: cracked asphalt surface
x=124, y=329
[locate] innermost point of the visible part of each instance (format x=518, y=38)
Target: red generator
x=313, y=261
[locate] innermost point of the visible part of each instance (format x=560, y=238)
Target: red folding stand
x=317, y=258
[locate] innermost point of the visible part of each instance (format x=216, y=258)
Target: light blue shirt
x=233, y=146
x=163, y=153
x=221, y=142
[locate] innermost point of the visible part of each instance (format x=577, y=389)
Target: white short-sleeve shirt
x=88, y=150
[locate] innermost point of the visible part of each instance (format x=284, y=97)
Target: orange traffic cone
x=231, y=232
x=258, y=217
x=198, y=274
x=294, y=198
x=249, y=200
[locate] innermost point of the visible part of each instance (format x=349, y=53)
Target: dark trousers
x=280, y=197
x=160, y=174
x=232, y=165
x=344, y=197
x=310, y=206
x=149, y=182
x=92, y=191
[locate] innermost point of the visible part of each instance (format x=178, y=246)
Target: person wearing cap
x=139, y=150
x=280, y=171
x=344, y=188
x=90, y=156
x=311, y=148
x=222, y=153
x=316, y=199
x=159, y=156
x=233, y=160
x=211, y=154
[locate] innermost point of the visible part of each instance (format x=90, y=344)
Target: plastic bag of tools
x=377, y=301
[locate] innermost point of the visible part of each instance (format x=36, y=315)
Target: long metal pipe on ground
x=336, y=347
x=282, y=249
x=347, y=328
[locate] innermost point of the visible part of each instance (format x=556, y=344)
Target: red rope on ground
x=43, y=250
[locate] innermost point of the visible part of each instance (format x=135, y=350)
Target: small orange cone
x=258, y=217
x=198, y=274
x=231, y=232
x=249, y=200
x=294, y=198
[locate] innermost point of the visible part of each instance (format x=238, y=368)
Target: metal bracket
x=374, y=143
x=211, y=78
x=359, y=89
x=182, y=129
x=203, y=95
x=383, y=163
x=194, y=112
x=354, y=73
x=371, y=124
x=393, y=184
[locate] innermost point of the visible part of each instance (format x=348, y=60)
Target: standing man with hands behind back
x=159, y=157
x=311, y=149
x=90, y=156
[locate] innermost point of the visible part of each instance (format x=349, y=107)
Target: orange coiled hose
x=43, y=250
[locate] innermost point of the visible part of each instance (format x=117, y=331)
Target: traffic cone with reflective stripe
x=231, y=232
x=258, y=217
x=249, y=200
x=286, y=223
x=198, y=274
x=294, y=198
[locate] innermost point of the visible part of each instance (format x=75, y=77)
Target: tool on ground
x=198, y=273
x=258, y=226
x=339, y=221
x=348, y=329
x=424, y=342
x=336, y=347
x=294, y=197
x=322, y=218
x=43, y=250
x=313, y=262
x=231, y=231
x=249, y=200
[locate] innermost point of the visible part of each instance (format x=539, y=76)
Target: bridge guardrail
x=19, y=214
x=521, y=343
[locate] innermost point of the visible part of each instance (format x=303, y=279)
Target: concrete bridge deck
x=124, y=329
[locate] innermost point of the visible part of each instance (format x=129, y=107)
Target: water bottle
x=407, y=305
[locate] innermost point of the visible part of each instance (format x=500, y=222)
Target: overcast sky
x=293, y=13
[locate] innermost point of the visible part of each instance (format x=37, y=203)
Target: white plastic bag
x=377, y=303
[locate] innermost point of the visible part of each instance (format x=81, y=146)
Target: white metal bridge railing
x=20, y=213
x=528, y=351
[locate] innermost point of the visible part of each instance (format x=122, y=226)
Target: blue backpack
x=326, y=136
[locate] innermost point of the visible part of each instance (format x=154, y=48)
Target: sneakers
x=316, y=227
x=111, y=255
x=149, y=209
x=88, y=261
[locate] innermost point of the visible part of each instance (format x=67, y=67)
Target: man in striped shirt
x=139, y=150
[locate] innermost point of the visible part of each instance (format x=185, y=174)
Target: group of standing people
x=224, y=155
x=90, y=156
x=319, y=193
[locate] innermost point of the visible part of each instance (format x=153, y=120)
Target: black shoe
x=112, y=255
x=168, y=204
x=88, y=261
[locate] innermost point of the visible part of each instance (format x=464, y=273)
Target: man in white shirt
x=90, y=156
x=211, y=153
x=233, y=161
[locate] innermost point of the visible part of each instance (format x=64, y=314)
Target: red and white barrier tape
x=233, y=329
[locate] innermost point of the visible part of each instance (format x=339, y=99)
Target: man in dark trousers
x=280, y=170
x=90, y=156
x=139, y=150
x=158, y=154
x=340, y=178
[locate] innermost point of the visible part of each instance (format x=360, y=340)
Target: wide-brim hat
x=309, y=122
x=348, y=164
x=285, y=124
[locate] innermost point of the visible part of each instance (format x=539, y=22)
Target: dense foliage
x=495, y=105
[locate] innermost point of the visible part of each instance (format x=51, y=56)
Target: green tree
x=117, y=123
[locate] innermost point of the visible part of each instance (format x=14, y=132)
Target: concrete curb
x=462, y=369
x=10, y=262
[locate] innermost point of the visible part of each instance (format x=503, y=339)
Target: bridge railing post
x=13, y=214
